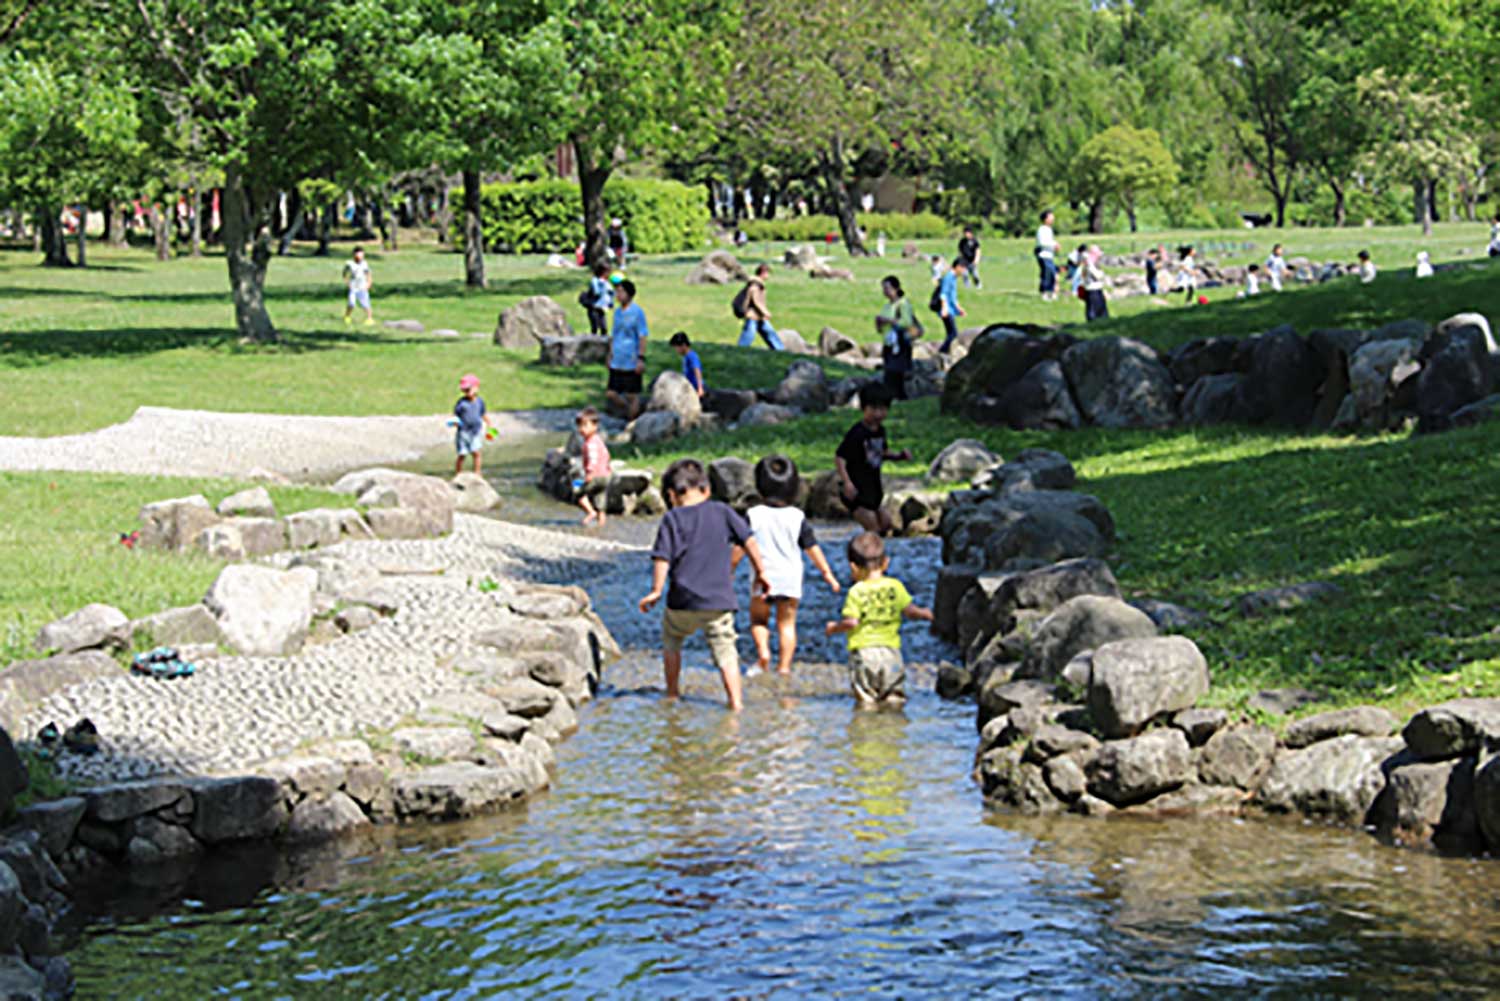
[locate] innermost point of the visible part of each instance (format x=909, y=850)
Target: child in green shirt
x=872, y=617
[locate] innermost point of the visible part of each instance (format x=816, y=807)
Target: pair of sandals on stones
x=163, y=664
x=81, y=738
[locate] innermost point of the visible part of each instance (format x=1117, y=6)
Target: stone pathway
x=240, y=710
x=158, y=441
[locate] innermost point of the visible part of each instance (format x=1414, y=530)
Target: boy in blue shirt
x=692, y=368
x=627, y=355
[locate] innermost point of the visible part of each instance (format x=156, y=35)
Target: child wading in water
x=784, y=535
x=596, y=467
x=692, y=562
x=872, y=617
x=473, y=419
x=859, y=457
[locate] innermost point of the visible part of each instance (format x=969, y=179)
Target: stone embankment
x=1085, y=703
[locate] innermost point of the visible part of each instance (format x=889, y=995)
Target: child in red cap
x=472, y=419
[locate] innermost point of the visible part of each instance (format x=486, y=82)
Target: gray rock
x=13, y=775
x=306, y=775
x=1040, y=400
x=1378, y=371
x=570, y=351
x=766, y=415
x=1031, y=469
x=124, y=800
x=1479, y=412
x=404, y=523
x=92, y=626
x=1336, y=779
x=453, y=790
x=254, y=502
x=434, y=743
x=1136, y=681
x=997, y=697
x=154, y=841
x=653, y=426
x=1286, y=599
x=1431, y=803
x=318, y=527
x=1052, y=739
x=406, y=326
x=356, y=618
x=55, y=820
x=804, y=388
x=1281, y=381
x=1166, y=615
x=1213, y=399
x=1460, y=726
x=324, y=819
x=1065, y=777
x=1368, y=721
x=545, y=605
x=953, y=681
x=259, y=536
x=671, y=392
x=1487, y=799
x=26, y=684
x=1043, y=537
x=368, y=786
x=262, y=611
x=246, y=807
x=12, y=905
x=1124, y=772
x=831, y=342
x=20, y=982
x=173, y=524
x=1456, y=371
x=1120, y=383
x=180, y=626
x=732, y=481
x=1082, y=623
x=729, y=404
x=504, y=725
x=952, y=583
x=1044, y=590
x=1200, y=724
x=526, y=324
x=1205, y=357
x=221, y=542
x=1195, y=799
x=1238, y=757
x=1280, y=701
x=626, y=489
x=1009, y=781
x=473, y=493
x=960, y=459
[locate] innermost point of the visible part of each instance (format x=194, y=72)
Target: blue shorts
x=359, y=297
x=468, y=442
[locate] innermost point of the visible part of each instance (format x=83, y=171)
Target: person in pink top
x=596, y=467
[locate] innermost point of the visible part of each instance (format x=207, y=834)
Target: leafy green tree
x=1128, y=164
x=1423, y=136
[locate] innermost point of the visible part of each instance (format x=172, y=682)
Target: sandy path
x=165, y=442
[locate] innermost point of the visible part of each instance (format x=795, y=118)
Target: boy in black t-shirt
x=859, y=458
x=968, y=252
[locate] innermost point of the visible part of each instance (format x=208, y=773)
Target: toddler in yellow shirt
x=872, y=616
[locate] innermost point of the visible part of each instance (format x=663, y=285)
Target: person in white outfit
x=1275, y=268
x=1424, y=264
x=1366, y=267
x=783, y=534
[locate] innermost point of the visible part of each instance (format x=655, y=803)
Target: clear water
x=802, y=849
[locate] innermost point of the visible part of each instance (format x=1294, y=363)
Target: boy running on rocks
x=859, y=458
x=692, y=562
x=872, y=617
x=784, y=535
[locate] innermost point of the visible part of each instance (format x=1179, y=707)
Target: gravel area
x=239, y=710
x=158, y=441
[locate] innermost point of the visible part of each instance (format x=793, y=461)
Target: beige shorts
x=877, y=674
x=677, y=624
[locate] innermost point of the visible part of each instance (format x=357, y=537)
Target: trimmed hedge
x=895, y=226
x=544, y=216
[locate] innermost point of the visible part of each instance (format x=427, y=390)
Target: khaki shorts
x=877, y=674
x=718, y=628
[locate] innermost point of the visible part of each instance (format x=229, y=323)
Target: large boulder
x=998, y=358
x=1214, y=399
x=566, y=352
x=257, y=536
x=26, y=684
x=804, y=388
x=1238, y=757
x=767, y=415
x=1461, y=726
x=1379, y=373
x=671, y=392
x=1001, y=599
x=252, y=503
x=1046, y=535
x=966, y=528
x=1207, y=356
x=525, y=325
x=175, y=523
x=13, y=775
x=653, y=426
x=473, y=493
x=1487, y=799
x=795, y=342
x=1124, y=772
x=1030, y=469
x=719, y=267
x=1368, y=721
x=1133, y=682
x=263, y=611
x=188, y=625
x=453, y=790
x=732, y=480
x=1040, y=400
x=244, y=807
x=1431, y=802
x=729, y=404
x=559, y=470
x=1456, y=371
x=1281, y=384
x=960, y=459
x=1120, y=383
x=1336, y=779
x=801, y=256
x=92, y=626
x=831, y=343
x=1086, y=622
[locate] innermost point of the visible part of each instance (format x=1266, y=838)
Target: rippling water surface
x=802, y=849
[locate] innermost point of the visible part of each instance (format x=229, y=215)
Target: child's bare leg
x=589, y=514
x=720, y=635
x=786, y=632
x=671, y=663
x=732, y=692
x=868, y=520
x=476, y=462
x=760, y=631
x=458, y=464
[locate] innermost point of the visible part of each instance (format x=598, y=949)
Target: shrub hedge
x=895, y=226
x=530, y=217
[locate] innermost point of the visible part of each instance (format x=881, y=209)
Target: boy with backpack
x=750, y=305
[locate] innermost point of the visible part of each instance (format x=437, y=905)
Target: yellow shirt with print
x=878, y=605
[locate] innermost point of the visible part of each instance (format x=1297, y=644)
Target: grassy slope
x=59, y=547
x=128, y=331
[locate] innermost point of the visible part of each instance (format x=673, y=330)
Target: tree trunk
x=473, y=232
x=591, y=180
x=325, y=228
x=54, y=241
x=843, y=202
x=1096, y=216
x=109, y=224
x=1425, y=191
x=1130, y=213
x=195, y=219
x=388, y=222
x=83, y=236
x=161, y=232
x=247, y=250
x=1280, y=195
x=444, y=213
x=1340, y=204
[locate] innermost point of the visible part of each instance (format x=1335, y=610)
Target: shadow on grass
x=35, y=347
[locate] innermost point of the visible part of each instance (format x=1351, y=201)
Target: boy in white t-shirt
x=1366, y=268
x=784, y=535
x=1275, y=268
x=357, y=276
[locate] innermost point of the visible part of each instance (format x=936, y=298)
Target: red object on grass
x=1203, y=300
x=129, y=539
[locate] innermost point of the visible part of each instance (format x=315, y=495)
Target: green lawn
x=129, y=331
x=60, y=549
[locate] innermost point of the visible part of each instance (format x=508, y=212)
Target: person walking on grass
x=872, y=617
x=968, y=252
x=358, y=278
x=1046, y=256
x=1187, y=273
x=692, y=561
x=1095, y=307
x=627, y=356
x=784, y=535
x=860, y=455
x=472, y=419
x=898, y=327
x=618, y=242
x=757, y=313
x=948, y=307
x=1153, y=269
x=599, y=299
x=597, y=468
x=692, y=368
x=1275, y=268
x=1494, y=248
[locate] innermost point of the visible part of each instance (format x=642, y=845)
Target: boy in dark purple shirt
x=691, y=561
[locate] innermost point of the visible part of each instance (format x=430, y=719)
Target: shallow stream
x=801, y=849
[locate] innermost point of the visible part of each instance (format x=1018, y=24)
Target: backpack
x=586, y=298
x=936, y=302
x=739, y=305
